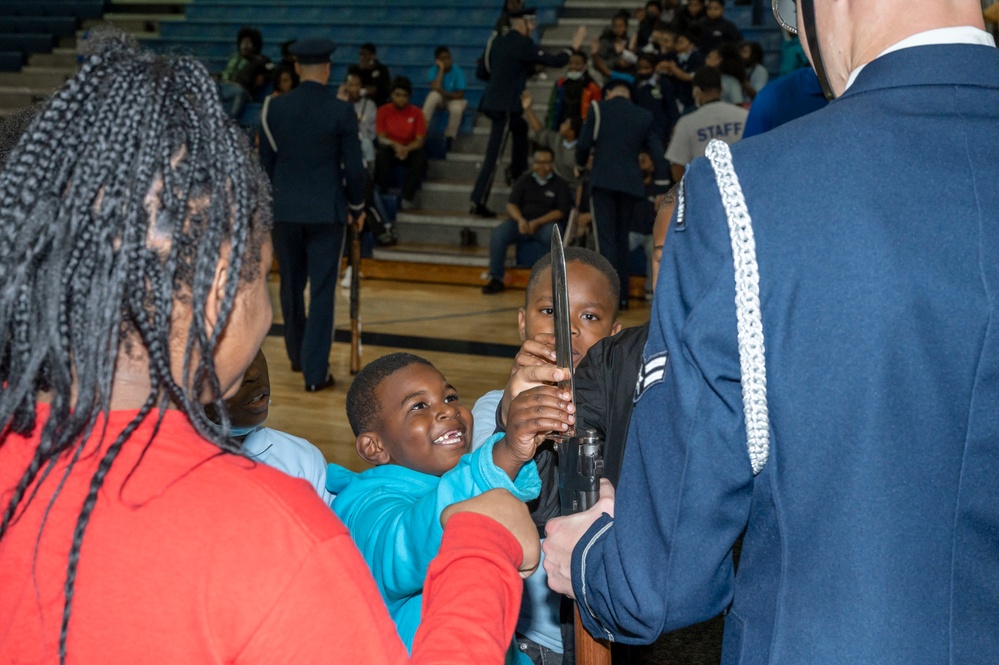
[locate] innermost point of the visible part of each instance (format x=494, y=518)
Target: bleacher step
x=59, y=58
x=442, y=227
x=455, y=195
x=37, y=79
x=18, y=96
x=146, y=5
x=141, y=25
x=436, y=254
x=453, y=169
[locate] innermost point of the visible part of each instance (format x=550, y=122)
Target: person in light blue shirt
x=247, y=410
x=447, y=89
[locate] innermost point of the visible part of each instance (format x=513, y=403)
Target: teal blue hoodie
x=393, y=514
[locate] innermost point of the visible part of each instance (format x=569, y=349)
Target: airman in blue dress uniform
x=872, y=533
x=311, y=151
x=510, y=58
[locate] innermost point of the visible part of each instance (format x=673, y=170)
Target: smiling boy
x=410, y=423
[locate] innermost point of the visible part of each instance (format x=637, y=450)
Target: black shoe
x=387, y=239
x=479, y=210
x=494, y=286
x=296, y=367
x=448, y=143
x=328, y=383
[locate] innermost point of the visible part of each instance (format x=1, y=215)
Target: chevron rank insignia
x=652, y=372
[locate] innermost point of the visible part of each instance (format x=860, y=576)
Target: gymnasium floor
x=470, y=337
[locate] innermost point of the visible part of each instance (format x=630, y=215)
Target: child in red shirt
x=401, y=131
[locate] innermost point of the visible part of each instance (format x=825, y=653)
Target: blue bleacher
x=405, y=31
x=34, y=26
x=58, y=26
x=10, y=61
x=80, y=9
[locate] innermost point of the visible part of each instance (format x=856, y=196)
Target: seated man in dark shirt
x=375, y=77
x=538, y=201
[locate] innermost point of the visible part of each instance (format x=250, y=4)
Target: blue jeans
x=234, y=98
x=538, y=654
x=505, y=234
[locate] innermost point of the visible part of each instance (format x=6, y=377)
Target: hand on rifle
x=512, y=514
x=357, y=220
x=533, y=366
x=562, y=535
x=534, y=415
x=526, y=100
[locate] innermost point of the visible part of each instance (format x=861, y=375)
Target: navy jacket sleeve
x=590, y=390
x=585, y=142
x=530, y=53
x=654, y=146
x=665, y=560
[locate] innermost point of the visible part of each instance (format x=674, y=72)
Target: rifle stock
x=590, y=650
x=580, y=467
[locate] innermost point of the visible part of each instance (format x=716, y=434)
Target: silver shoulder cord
x=747, y=304
x=266, y=127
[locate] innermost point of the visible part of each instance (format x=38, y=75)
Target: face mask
x=244, y=431
x=541, y=181
x=574, y=76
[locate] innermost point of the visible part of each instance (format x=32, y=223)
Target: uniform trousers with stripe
x=518, y=156
x=612, y=217
x=308, y=252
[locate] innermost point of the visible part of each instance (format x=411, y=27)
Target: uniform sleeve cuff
x=583, y=548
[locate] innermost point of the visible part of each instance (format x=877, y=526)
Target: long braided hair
x=114, y=206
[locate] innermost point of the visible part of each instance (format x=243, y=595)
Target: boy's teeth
x=449, y=437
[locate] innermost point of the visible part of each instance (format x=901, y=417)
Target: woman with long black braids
x=134, y=241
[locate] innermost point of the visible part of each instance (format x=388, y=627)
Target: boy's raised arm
x=400, y=544
x=534, y=414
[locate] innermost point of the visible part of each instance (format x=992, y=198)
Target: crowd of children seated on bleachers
x=669, y=43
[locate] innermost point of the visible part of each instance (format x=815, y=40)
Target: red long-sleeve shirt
x=403, y=125
x=196, y=556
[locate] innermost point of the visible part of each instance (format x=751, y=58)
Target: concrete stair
x=441, y=228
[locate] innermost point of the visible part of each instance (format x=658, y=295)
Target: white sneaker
x=345, y=281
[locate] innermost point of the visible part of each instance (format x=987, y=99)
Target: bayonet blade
x=560, y=302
